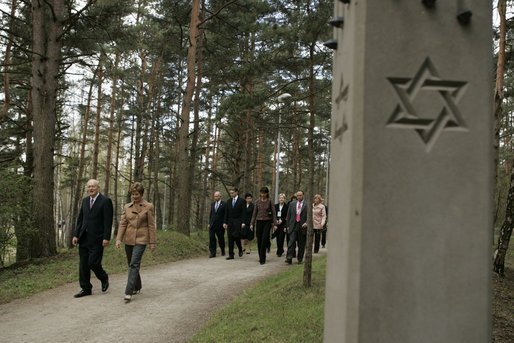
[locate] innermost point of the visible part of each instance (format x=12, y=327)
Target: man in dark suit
x=296, y=222
x=92, y=234
x=216, y=217
x=234, y=216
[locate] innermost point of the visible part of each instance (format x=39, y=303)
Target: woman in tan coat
x=319, y=217
x=136, y=230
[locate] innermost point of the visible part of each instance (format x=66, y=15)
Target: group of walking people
x=93, y=232
x=244, y=220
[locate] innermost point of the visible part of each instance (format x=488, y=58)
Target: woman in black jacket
x=280, y=232
x=247, y=235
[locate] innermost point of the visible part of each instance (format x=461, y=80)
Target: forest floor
x=503, y=304
x=177, y=299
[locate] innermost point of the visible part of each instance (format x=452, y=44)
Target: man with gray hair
x=92, y=234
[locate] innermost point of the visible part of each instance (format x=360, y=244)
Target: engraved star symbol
x=341, y=97
x=405, y=116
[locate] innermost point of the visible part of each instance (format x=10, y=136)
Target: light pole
x=282, y=98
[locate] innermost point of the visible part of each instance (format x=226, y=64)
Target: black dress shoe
x=262, y=262
x=230, y=258
x=212, y=255
x=82, y=293
x=299, y=261
x=222, y=253
x=288, y=261
x=105, y=285
x=240, y=254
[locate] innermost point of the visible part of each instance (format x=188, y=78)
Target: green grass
x=278, y=309
x=48, y=273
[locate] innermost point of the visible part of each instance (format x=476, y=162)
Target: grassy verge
x=278, y=309
x=52, y=272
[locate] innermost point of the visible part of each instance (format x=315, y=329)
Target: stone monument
x=411, y=172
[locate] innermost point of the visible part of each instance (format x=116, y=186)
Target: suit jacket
x=291, y=215
x=137, y=224
x=97, y=221
x=248, y=214
x=216, y=218
x=283, y=214
x=234, y=216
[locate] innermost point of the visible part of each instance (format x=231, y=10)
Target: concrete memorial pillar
x=411, y=172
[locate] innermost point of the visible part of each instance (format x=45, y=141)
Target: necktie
x=298, y=210
x=233, y=202
x=216, y=206
x=91, y=202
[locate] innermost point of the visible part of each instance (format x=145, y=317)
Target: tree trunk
x=184, y=205
x=119, y=121
x=47, y=29
x=113, y=108
x=7, y=61
x=498, y=90
x=205, y=191
x=196, y=124
x=307, y=272
x=505, y=232
x=28, y=168
x=139, y=155
x=96, y=144
x=215, y=157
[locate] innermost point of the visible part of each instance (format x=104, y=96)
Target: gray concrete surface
x=411, y=173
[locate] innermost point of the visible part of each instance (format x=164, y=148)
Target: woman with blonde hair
x=319, y=217
x=136, y=230
x=280, y=232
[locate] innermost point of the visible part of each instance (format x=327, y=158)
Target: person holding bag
x=136, y=230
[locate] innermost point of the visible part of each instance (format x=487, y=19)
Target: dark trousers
x=296, y=236
x=262, y=232
x=287, y=245
x=281, y=236
x=231, y=240
x=317, y=237
x=91, y=260
x=324, y=237
x=220, y=234
x=134, y=256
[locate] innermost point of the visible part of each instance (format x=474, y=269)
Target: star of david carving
x=341, y=97
x=406, y=116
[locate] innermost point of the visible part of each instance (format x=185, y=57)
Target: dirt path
x=176, y=300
